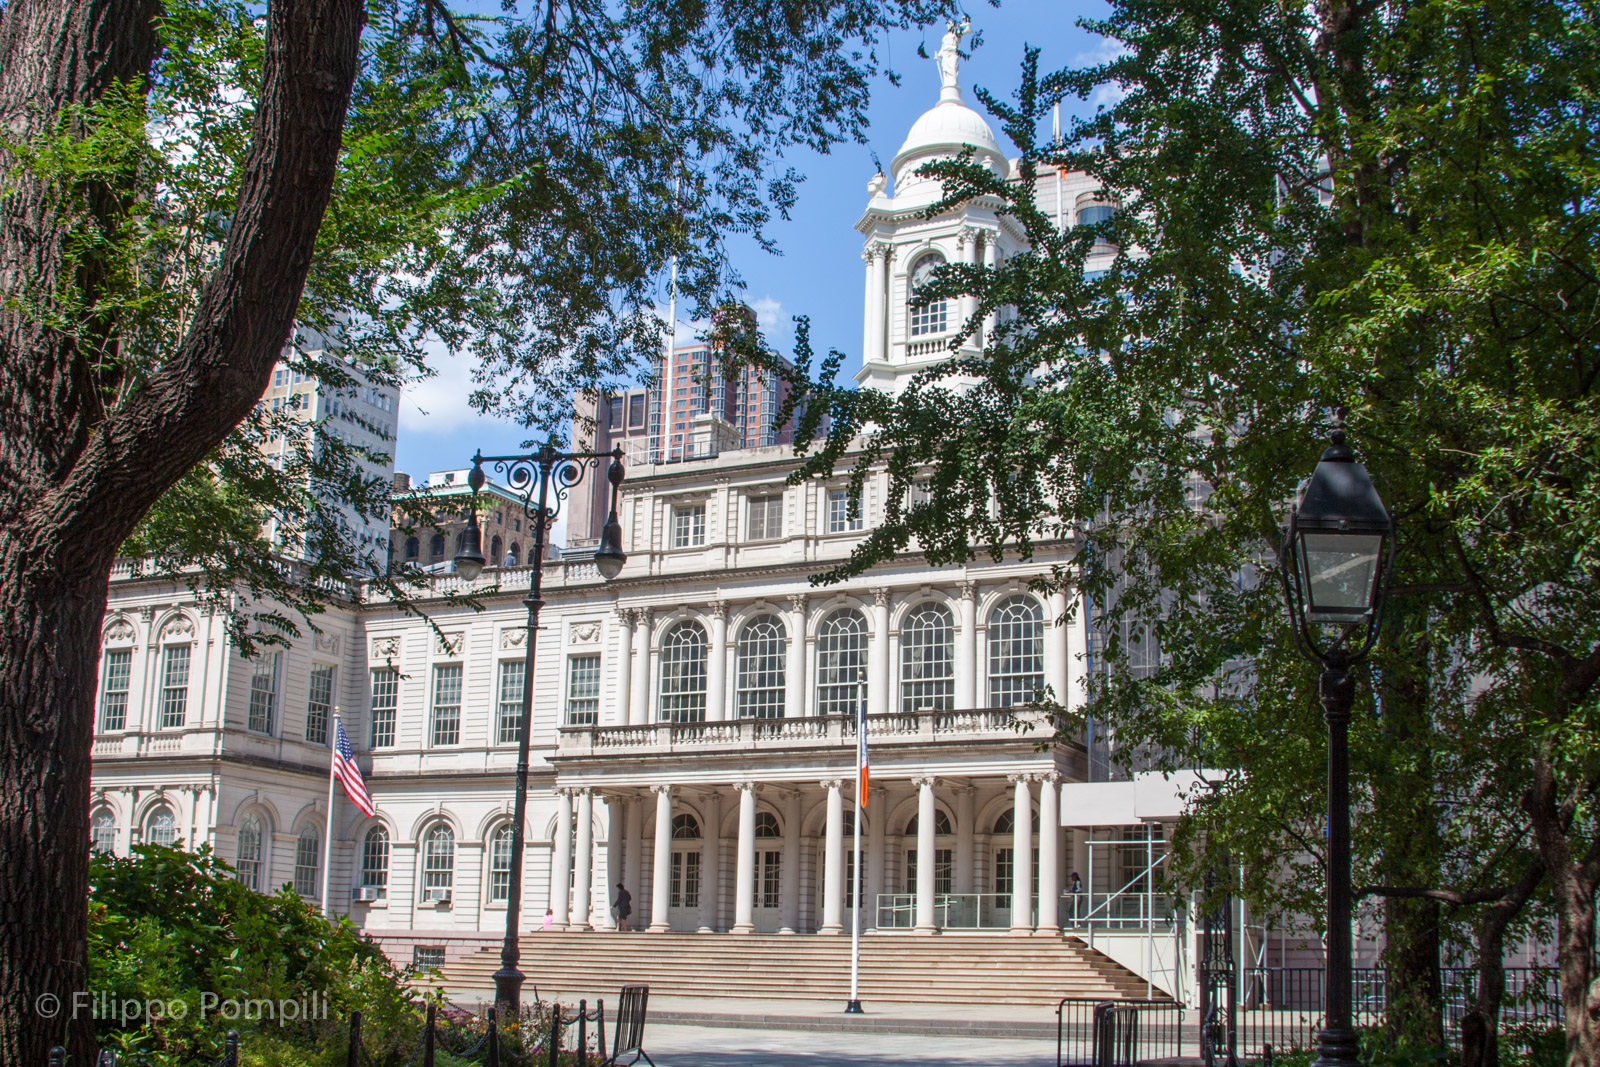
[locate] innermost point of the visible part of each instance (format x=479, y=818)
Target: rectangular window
x=1003, y=867
x=264, y=693
x=839, y=520
x=766, y=517
x=306, y=848
x=614, y=410
x=114, y=690
x=447, y=704
x=509, y=721
x=685, y=880
x=770, y=880
x=636, y=411
x=174, y=686
x=319, y=704
x=424, y=957
x=583, y=690
x=688, y=525
x=385, y=699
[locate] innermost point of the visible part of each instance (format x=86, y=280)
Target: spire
x=949, y=57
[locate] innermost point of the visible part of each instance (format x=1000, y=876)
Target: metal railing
x=951, y=911
x=1117, y=911
x=1095, y=1032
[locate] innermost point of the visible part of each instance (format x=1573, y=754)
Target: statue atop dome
x=949, y=57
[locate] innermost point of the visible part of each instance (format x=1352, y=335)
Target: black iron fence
x=1095, y=1032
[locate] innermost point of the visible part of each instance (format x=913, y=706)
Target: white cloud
x=439, y=404
x=769, y=312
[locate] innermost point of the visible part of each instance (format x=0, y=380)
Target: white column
x=791, y=861
x=652, y=678
x=744, y=899
x=1057, y=628
x=633, y=854
x=876, y=328
x=868, y=319
x=615, y=820
x=967, y=252
x=583, y=879
x=1022, y=857
x=966, y=658
x=622, y=711
x=561, y=858
x=877, y=809
x=717, y=664
x=964, y=860
x=661, y=883
x=989, y=259
x=795, y=685
x=1049, y=855
x=639, y=687
x=1077, y=654
x=833, y=860
x=925, y=858
x=878, y=685
x=710, y=862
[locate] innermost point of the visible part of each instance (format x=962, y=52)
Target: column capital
x=719, y=610
x=644, y=615
x=832, y=783
x=880, y=596
x=924, y=780
x=785, y=793
x=798, y=602
x=1049, y=777
x=1020, y=776
x=582, y=790
x=662, y=789
x=969, y=590
x=562, y=790
x=963, y=790
x=626, y=615
x=746, y=786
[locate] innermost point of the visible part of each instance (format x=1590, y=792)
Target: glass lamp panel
x=1339, y=572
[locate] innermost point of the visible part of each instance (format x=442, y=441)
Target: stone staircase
x=943, y=969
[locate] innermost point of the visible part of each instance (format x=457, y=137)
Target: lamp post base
x=1337, y=1047
x=508, y=991
x=853, y=1008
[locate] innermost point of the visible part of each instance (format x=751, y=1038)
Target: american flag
x=345, y=769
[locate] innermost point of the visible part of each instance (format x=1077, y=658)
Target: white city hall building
x=694, y=719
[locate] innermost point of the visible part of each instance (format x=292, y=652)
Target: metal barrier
x=1095, y=1032
x=951, y=911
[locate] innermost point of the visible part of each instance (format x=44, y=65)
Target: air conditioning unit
x=439, y=896
x=367, y=893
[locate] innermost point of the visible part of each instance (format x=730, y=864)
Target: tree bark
x=1480, y=1028
x=75, y=477
x=1573, y=882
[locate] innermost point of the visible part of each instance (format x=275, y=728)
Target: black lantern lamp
x=1335, y=561
x=469, y=561
x=609, y=557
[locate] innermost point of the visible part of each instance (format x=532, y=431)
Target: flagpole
x=854, y=1007
x=327, y=841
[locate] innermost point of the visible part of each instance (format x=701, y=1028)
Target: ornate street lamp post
x=543, y=481
x=1334, y=563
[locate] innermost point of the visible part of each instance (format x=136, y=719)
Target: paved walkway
x=703, y=1046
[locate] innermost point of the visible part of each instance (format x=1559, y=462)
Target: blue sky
x=820, y=271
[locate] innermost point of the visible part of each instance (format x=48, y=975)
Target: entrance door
x=769, y=890
x=683, y=903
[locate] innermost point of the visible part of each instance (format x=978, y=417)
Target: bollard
x=58, y=1057
x=353, y=1059
x=555, y=1035
x=230, y=1047
x=583, y=1033
x=600, y=1029
x=427, y=1036
x=492, y=1056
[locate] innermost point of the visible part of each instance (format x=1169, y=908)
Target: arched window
x=683, y=674
x=307, y=861
x=941, y=824
x=375, y=860
x=767, y=825
x=161, y=828
x=413, y=547
x=927, y=659
x=439, y=858
x=926, y=318
x=103, y=832
x=247, y=865
x=758, y=682
x=1016, y=652
x=769, y=862
x=841, y=662
x=500, y=863
x=436, y=546
x=495, y=544
x=685, y=828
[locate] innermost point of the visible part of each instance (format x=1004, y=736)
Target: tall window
x=927, y=659
x=841, y=661
x=683, y=674
x=685, y=886
x=436, y=546
x=758, y=682
x=769, y=862
x=509, y=724
x=688, y=525
x=500, y=864
x=319, y=704
x=103, y=832
x=161, y=828
x=375, y=860
x=447, y=704
x=174, y=686
x=926, y=318
x=1004, y=882
x=248, y=863
x=264, y=693
x=583, y=690
x=943, y=866
x=766, y=517
x=1016, y=652
x=114, y=688
x=385, y=699
x=413, y=548
x=839, y=520
x=307, y=858
x=439, y=858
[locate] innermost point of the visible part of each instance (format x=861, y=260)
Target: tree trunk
x=1573, y=890
x=74, y=477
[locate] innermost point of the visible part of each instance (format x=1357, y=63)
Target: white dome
x=947, y=129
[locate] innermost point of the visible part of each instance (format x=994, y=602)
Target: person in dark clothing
x=623, y=906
